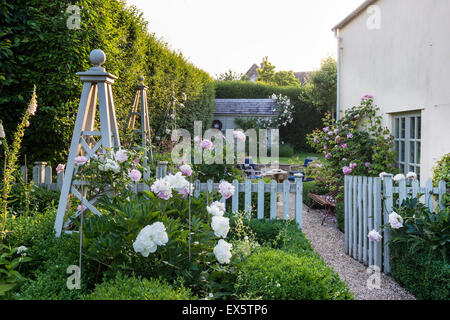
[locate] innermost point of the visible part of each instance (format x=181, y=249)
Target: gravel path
x=328, y=241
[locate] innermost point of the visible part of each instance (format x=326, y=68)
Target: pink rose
x=80, y=160
x=328, y=156
x=353, y=165
x=60, y=168
x=344, y=145
x=346, y=170
x=326, y=129
x=135, y=175
x=349, y=136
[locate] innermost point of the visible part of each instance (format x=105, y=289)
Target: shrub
x=340, y=215
x=286, y=151
x=306, y=117
x=442, y=171
x=31, y=198
x=312, y=187
x=422, y=273
x=357, y=144
x=123, y=287
x=37, y=47
x=274, y=274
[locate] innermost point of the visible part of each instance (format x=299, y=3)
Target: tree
x=322, y=85
x=268, y=75
x=229, y=75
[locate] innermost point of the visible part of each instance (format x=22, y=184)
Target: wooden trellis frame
x=96, y=84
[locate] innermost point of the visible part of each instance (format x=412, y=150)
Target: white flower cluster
x=285, y=113
x=216, y=208
x=109, y=165
x=221, y=226
x=149, y=238
x=163, y=186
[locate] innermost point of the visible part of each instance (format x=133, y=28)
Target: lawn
x=299, y=158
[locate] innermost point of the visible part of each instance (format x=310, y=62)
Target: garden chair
x=250, y=170
x=328, y=201
x=302, y=171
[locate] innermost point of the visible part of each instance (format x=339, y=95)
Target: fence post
x=388, y=206
x=59, y=180
x=39, y=172
x=48, y=177
x=273, y=199
x=442, y=191
x=299, y=201
x=161, y=169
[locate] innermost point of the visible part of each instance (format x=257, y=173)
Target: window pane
x=402, y=168
x=411, y=152
x=412, y=126
x=402, y=151
x=396, y=128
x=418, y=152
x=403, y=128
x=397, y=150
x=419, y=119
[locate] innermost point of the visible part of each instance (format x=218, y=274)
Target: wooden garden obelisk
x=86, y=140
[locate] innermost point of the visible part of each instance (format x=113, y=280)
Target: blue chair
x=250, y=170
x=305, y=165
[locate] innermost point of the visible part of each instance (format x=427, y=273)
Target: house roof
x=302, y=76
x=248, y=107
x=252, y=71
x=354, y=14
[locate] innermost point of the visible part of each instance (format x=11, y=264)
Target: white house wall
x=405, y=65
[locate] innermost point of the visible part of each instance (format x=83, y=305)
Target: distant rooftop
x=248, y=107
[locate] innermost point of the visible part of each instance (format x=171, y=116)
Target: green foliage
x=274, y=274
x=340, y=215
x=268, y=75
x=312, y=187
x=421, y=272
x=441, y=172
x=37, y=47
x=123, y=287
x=286, y=151
x=422, y=229
x=306, y=117
x=28, y=198
x=322, y=85
x=229, y=75
x=10, y=260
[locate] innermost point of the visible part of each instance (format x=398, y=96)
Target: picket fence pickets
x=368, y=201
x=42, y=176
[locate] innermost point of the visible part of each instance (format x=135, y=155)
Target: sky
x=217, y=35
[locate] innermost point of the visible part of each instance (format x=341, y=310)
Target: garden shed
x=227, y=110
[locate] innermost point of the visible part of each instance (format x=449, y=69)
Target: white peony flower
x=399, y=177
x=162, y=188
x=374, y=236
x=219, y=204
x=221, y=226
x=395, y=220
x=411, y=175
x=222, y=251
x=109, y=165
x=177, y=181
x=216, y=209
x=149, y=238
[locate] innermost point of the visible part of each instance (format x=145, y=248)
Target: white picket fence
x=43, y=177
x=368, y=203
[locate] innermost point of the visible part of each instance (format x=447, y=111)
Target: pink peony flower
x=121, y=156
x=80, y=160
x=226, y=189
x=346, y=170
x=239, y=135
x=60, y=168
x=186, y=170
x=374, y=236
x=207, y=144
x=135, y=175
x=344, y=145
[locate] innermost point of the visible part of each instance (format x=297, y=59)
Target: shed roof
x=250, y=107
x=354, y=14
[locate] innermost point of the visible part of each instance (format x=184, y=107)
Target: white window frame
x=407, y=131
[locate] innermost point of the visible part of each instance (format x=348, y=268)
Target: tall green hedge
x=306, y=116
x=37, y=47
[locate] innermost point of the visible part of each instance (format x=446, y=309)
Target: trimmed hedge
x=38, y=48
x=426, y=276
x=306, y=116
x=136, y=288
x=276, y=275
